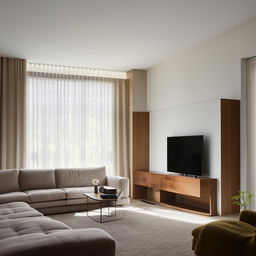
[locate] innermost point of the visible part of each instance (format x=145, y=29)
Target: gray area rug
x=145, y=229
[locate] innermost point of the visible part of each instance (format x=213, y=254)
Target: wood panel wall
x=140, y=148
x=230, y=154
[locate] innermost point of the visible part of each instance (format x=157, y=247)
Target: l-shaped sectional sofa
x=26, y=194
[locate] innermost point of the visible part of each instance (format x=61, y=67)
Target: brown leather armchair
x=227, y=237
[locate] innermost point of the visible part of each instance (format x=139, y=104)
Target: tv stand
x=197, y=195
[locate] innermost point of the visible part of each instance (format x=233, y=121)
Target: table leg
x=87, y=205
x=100, y=212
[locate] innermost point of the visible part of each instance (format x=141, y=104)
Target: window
x=69, y=121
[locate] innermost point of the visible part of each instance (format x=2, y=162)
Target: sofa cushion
x=13, y=197
x=19, y=227
x=67, y=242
x=36, y=179
x=17, y=210
x=48, y=204
x=43, y=195
x=74, y=193
x=79, y=177
x=9, y=181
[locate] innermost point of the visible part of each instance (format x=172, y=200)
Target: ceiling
x=113, y=34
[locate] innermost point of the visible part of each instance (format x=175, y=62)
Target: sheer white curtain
x=70, y=121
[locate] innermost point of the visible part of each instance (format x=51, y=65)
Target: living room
x=127, y=127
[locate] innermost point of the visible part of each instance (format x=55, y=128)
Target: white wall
x=208, y=71
x=193, y=119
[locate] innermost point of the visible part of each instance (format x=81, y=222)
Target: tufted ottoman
x=17, y=210
x=25, y=231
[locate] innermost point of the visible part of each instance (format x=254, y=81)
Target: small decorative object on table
x=95, y=182
x=109, y=190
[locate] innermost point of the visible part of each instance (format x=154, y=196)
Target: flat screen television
x=185, y=155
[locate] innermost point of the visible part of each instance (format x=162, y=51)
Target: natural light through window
x=69, y=121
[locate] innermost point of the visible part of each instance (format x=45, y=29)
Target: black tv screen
x=185, y=155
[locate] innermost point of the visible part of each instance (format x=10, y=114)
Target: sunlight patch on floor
x=105, y=212
x=160, y=212
x=172, y=214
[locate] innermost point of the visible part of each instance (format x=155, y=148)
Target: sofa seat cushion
x=43, y=195
x=48, y=204
x=30, y=179
x=9, y=181
x=13, y=197
x=17, y=210
x=78, y=242
x=79, y=177
x=20, y=227
x=75, y=193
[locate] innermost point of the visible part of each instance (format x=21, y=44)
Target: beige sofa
x=25, y=231
x=56, y=190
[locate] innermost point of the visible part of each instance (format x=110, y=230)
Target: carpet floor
x=145, y=229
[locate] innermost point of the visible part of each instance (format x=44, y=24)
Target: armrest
x=119, y=182
x=248, y=217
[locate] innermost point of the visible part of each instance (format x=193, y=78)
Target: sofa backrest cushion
x=79, y=177
x=9, y=181
x=36, y=179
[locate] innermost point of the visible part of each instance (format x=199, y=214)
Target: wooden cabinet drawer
x=155, y=180
x=180, y=185
x=142, y=178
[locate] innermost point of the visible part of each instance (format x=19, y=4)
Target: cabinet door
x=142, y=178
x=181, y=185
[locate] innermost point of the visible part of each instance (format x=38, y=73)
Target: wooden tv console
x=198, y=195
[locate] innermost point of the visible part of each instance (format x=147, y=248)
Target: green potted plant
x=244, y=199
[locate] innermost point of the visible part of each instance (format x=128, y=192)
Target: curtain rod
x=79, y=71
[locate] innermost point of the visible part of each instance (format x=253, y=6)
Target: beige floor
x=145, y=229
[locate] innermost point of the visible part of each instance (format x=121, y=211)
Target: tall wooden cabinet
x=230, y=154
x=140, y=149
x=196, y=195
